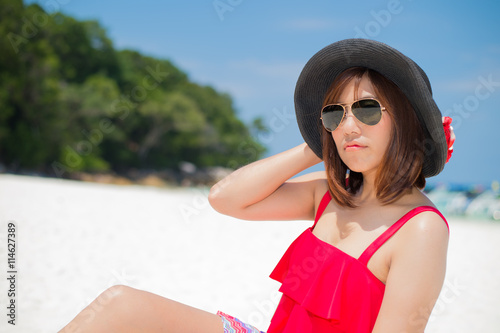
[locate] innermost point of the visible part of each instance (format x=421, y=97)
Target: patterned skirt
x=234, y=325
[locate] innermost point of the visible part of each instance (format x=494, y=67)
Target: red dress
x=327, y=290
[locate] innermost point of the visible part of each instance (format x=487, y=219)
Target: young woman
x=374, y=259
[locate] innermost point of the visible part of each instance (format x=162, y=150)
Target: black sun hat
x=323, y=68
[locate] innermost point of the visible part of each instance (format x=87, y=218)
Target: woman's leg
x=124, y=309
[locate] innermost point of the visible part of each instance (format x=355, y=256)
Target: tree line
x=71, y=102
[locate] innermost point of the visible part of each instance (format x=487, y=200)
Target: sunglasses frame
x=345, y=105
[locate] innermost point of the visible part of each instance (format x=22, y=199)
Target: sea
x=468, y=201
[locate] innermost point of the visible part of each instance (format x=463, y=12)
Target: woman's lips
x=353, y=147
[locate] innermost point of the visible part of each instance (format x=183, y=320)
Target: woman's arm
x=416, y=275
x=262, y=190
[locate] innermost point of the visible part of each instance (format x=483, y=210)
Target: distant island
x=72, y=104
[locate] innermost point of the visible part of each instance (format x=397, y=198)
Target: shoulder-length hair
x=401, y=166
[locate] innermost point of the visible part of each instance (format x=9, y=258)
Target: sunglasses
x=367, y=110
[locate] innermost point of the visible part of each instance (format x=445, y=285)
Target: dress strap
x=322, y=205
x=373, y=247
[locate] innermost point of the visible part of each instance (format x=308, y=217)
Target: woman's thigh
x=125, y=309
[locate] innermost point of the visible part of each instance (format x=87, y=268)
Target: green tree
x=29, y=78
x=70, y=102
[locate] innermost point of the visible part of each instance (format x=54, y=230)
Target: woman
x=375, y=258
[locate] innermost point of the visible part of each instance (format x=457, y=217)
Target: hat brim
x=328, y=63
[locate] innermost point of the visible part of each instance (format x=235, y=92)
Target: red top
x=327, y=290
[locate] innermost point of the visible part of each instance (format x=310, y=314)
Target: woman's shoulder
x=427, y=222
x=424, y=225
x=421, y=220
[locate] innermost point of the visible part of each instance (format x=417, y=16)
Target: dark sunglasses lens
x=332, y=116
x=368, y=111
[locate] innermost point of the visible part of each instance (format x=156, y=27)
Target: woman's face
x=361, y=146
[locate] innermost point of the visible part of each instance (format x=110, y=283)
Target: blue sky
x=255, y=50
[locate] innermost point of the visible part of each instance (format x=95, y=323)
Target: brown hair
x=401, y=166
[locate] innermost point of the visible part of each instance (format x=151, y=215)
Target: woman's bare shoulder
x=425, y=227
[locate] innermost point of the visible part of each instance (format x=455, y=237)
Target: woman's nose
x=349, y=123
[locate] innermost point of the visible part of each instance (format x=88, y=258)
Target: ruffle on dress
x=323, y=286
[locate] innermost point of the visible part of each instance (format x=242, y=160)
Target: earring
x=347, y=174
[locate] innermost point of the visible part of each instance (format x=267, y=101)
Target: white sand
x=76, y=239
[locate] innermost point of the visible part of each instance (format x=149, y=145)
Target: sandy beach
x=75, y=239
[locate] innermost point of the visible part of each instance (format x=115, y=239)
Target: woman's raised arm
x=263, y=190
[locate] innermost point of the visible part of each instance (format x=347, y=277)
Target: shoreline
x=188, y=175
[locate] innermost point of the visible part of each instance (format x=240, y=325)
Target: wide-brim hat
x=320, y=71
